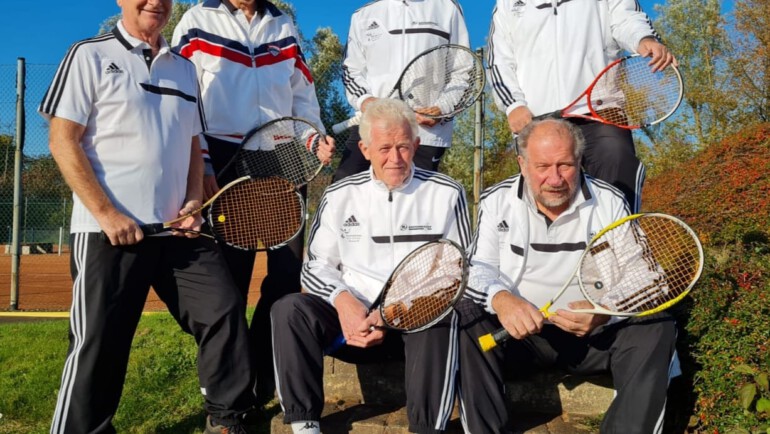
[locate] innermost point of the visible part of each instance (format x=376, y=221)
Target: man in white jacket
x=251, y=71
x=384, y=37
x=365, y=225
x=532, y=230
x=543, y=54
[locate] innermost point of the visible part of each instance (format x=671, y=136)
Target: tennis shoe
x=234, y=428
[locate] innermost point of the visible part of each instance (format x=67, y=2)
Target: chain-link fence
x=44, y=207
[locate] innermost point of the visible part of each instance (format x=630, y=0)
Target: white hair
x=387, y=110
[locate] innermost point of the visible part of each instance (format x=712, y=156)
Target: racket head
x=640, y=265
x=284, y=147
x=629, y=95
x=449, y=77
x=424, y=286
x=257, y=213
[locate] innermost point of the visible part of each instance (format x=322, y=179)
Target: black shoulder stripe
x=357, y=179
x=506, y=183
x=54, y=93
x=604, y=185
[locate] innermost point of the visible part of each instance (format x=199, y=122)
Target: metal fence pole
x=478, y=149
x=18, y=154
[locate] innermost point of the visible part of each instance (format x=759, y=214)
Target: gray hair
x=558, y=125
x=388, y=110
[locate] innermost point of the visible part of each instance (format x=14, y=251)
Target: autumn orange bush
x=724, y=192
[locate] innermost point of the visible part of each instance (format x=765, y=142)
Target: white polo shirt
x=140, y=115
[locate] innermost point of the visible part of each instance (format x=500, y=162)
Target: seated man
x=532, y=229
x=365, y=225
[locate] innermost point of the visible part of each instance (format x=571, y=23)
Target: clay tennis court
x=45, y=283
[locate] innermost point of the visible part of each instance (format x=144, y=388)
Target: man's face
x=391, y=151
x=550, y=170
x=145, y=19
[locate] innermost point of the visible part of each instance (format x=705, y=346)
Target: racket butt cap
x=487, y=342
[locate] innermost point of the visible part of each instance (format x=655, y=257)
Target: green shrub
x=727, y=335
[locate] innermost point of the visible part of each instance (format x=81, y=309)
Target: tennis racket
x=627, y=94
x=637, y=266
x=284, y=147
x=439, y=83
x=248, y=214
x=422, y=289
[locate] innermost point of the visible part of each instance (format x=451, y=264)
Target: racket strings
x=424, y=287
x=285, y=148
x=646, y=262
x=442, y=82
x=631, y=94
x=257, y=213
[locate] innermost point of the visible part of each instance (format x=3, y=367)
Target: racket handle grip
x=491, y=340
x=153, y=228
x=338, y=343
x=344, y=125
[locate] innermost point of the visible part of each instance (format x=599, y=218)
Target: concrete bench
x=370, y=399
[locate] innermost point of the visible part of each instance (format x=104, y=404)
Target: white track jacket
x=362, y=230
x=385, y=36
x=499, y=253
x=247, y=78
x=544, y=53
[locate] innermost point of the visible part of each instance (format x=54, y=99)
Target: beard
x=565, y=195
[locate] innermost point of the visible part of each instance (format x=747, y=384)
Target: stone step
x=369, y=399
x=343, y=418
x=549, y=391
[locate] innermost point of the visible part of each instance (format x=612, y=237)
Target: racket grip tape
x=149, y=229
x=153, y=228
x=491, y=340
x=344, y=125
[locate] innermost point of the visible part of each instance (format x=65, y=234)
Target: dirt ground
x=45, y=283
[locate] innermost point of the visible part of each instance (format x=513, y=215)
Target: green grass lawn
x=161, y=393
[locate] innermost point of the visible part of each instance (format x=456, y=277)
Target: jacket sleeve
x=459, y=31
x=460, y=227
x=321, y=275
x=357, y=89
x=629, y=24
x=501, y=64
x=485, y=279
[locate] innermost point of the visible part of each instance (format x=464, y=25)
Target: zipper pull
x=390, y=195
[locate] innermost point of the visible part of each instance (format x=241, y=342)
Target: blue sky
x=41, y=31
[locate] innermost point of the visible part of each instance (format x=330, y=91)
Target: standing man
x=365, y=225
x=544, y=54
x=532, y=230
x=124, y=119
x=384, y=36
x=251, y=70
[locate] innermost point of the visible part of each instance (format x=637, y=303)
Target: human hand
x=325, y=151
x=423, y=113
x=192, y=222
x=359, y=327
x=517, y=315
x=659, y=55
x=121, y=229
x=518, y=118
x=578, y=324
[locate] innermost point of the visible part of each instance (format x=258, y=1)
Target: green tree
x=325, y=60
x=695, y=32
x=750, y=60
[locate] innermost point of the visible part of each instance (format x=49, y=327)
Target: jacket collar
x=130, y=42
x=381, y=185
